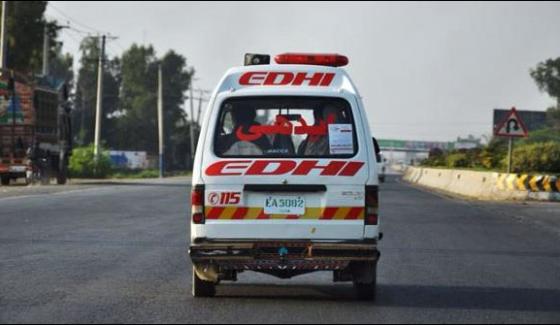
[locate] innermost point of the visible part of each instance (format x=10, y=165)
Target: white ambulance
x=285, y=179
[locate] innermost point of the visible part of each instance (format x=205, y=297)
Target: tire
x=61, y=177
x=368, y=290
x=28, y=180
x=201, y=288
x=5, y=180
x=45, y=171
x=62, y=172
x=365, y=291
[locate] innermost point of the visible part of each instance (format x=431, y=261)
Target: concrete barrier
x=486, y=185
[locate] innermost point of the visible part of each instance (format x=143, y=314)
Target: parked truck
x=35, y=130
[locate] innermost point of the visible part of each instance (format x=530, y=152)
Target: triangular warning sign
x=512, y=126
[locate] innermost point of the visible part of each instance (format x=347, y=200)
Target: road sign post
x=510, y=155
x=512, y=127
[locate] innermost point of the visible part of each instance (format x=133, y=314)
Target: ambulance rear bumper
x=285, y=255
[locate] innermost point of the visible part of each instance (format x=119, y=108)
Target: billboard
x=129, y=159
x=390, y=144
x=533, y=120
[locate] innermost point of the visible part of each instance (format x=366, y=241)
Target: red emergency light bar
x=331, y=60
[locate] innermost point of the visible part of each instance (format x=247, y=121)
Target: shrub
x=536, y=157
x=544, y=135
x=488, y=159
x=83, y=165
x=136, y=174
x=436, y=158
x=457, y=160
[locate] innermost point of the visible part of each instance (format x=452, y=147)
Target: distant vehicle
x=287, y=181
x=35, y=132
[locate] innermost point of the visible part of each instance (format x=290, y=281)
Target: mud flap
x=364, y=272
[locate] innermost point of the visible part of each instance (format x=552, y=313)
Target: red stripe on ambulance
x=355, y=213
x=215, y=213
x=245, y=213
x=240, y=213
x=329, y=213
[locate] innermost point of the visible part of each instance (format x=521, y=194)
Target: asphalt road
x=117, y=253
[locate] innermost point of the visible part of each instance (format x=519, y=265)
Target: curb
x=490, y=186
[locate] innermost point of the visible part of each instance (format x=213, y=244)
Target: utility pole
x=510, y=155
x=191, y=130
x=199, y=106
x=201, y=99
x=160, y=121
x=45, y=51
x=99, y=104
x=3, y=36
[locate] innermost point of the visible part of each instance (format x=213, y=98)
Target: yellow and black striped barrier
x=532, y=183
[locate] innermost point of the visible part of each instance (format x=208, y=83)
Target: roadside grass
x=142, y=174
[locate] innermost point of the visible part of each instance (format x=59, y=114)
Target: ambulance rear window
x=285, y=127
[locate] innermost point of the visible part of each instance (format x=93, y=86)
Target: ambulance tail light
x=331, y=60
x=197, y=202
x=372, y=205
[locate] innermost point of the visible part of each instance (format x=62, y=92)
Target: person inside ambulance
x=318, y=145
x=230, y=145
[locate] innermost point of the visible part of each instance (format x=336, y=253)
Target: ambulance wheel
x=201, y=288
x=366, y=290
x=5, y=180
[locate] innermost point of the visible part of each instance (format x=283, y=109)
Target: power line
x=113, y=49
x=75, y=39
x=96, y=32
x=79, y=31
x=119, y=45
x=60, y=12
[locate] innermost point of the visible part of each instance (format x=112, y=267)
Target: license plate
x=284, y=205
x=17, y=169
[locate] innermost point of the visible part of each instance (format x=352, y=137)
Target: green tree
x=25, y=23
x=86, y=92
x=176, y=81
x=136, y=122
x=553, y=118
x=547, y=77
x=137, y=125
x=61, y=66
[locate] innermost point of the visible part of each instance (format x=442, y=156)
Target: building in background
x=410, y=152
x=469, y=142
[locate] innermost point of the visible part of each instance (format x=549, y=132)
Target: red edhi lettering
x=282, y=167
x=227, y=168
x=278, y=78
x=252, y=78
